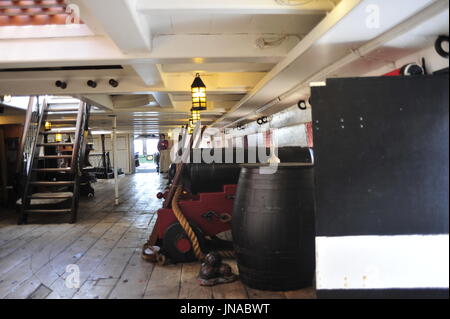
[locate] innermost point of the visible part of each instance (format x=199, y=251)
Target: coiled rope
x=190, y=233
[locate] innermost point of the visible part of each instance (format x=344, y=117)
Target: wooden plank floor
x=105, y=244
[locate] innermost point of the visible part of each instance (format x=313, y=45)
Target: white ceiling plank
x=327, y=24
x=185, y=24
x=221, y=24
x=182, y=7
x=342, y=31
x=217, y=48
x=216, y=67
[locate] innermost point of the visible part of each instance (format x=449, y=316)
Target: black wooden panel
x=382, y=155
x=384, y=294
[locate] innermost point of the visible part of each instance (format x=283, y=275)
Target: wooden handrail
x=26, y=127
x=76, y=147
x=38, y=128
x=26, y=176
x=84, y=137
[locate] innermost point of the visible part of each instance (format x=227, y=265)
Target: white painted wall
x=433, y=62
x=124, y=151
x=288, y=126
x=290, y=123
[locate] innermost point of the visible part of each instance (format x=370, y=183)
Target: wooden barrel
x=273, y=227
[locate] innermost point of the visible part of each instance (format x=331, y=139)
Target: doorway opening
x=145, y=154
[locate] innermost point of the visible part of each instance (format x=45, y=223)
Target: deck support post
x=114, y=141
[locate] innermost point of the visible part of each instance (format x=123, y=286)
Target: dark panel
x=381, y=147
x=65, y=68
x=383, y=294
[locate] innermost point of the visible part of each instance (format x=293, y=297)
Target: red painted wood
x=221, y=203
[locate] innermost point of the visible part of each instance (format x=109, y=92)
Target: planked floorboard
x=105, y=244
x=164, y=282
x=189, y=287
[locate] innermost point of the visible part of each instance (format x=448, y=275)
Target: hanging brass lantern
x=198, y=90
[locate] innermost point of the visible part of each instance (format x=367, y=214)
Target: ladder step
x=44, y=211
x=56, y=110
x=53, y=169
x=54, y=156
x=59, y=183
x=63, y=121
x=58, y=132
x=51, y=195
x=54, y=144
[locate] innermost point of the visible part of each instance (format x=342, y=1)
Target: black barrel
x=273, y=228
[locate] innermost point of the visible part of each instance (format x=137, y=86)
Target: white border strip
x=44, y=31
x=382, y=262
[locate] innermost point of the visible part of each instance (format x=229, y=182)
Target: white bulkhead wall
x=124, y=149
x=290, y=124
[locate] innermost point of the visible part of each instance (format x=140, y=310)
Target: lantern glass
x=198, y=90
x=195, y=116
x=48, y=126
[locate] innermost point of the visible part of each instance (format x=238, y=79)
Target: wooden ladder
x=51, y=168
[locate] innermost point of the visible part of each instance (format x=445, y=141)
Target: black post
x=105, y=167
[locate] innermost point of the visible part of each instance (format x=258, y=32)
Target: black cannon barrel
x=250, y=155
x=210, y=177
x=273, y=228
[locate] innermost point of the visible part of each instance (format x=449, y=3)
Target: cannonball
x=213, y=259
x=207, y=272
x=225, y=270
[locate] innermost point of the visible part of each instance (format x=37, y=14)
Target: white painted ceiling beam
x=44, y=31
x=127, y=86
x=225, y=83
x=157, y=112
x=49, y=52
x=100, y=50
x=99, y=100
x=174, y=7
x=149, y=73
x=124, y=25
x=163, y=99
x=186, y=105
x=331, y=45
